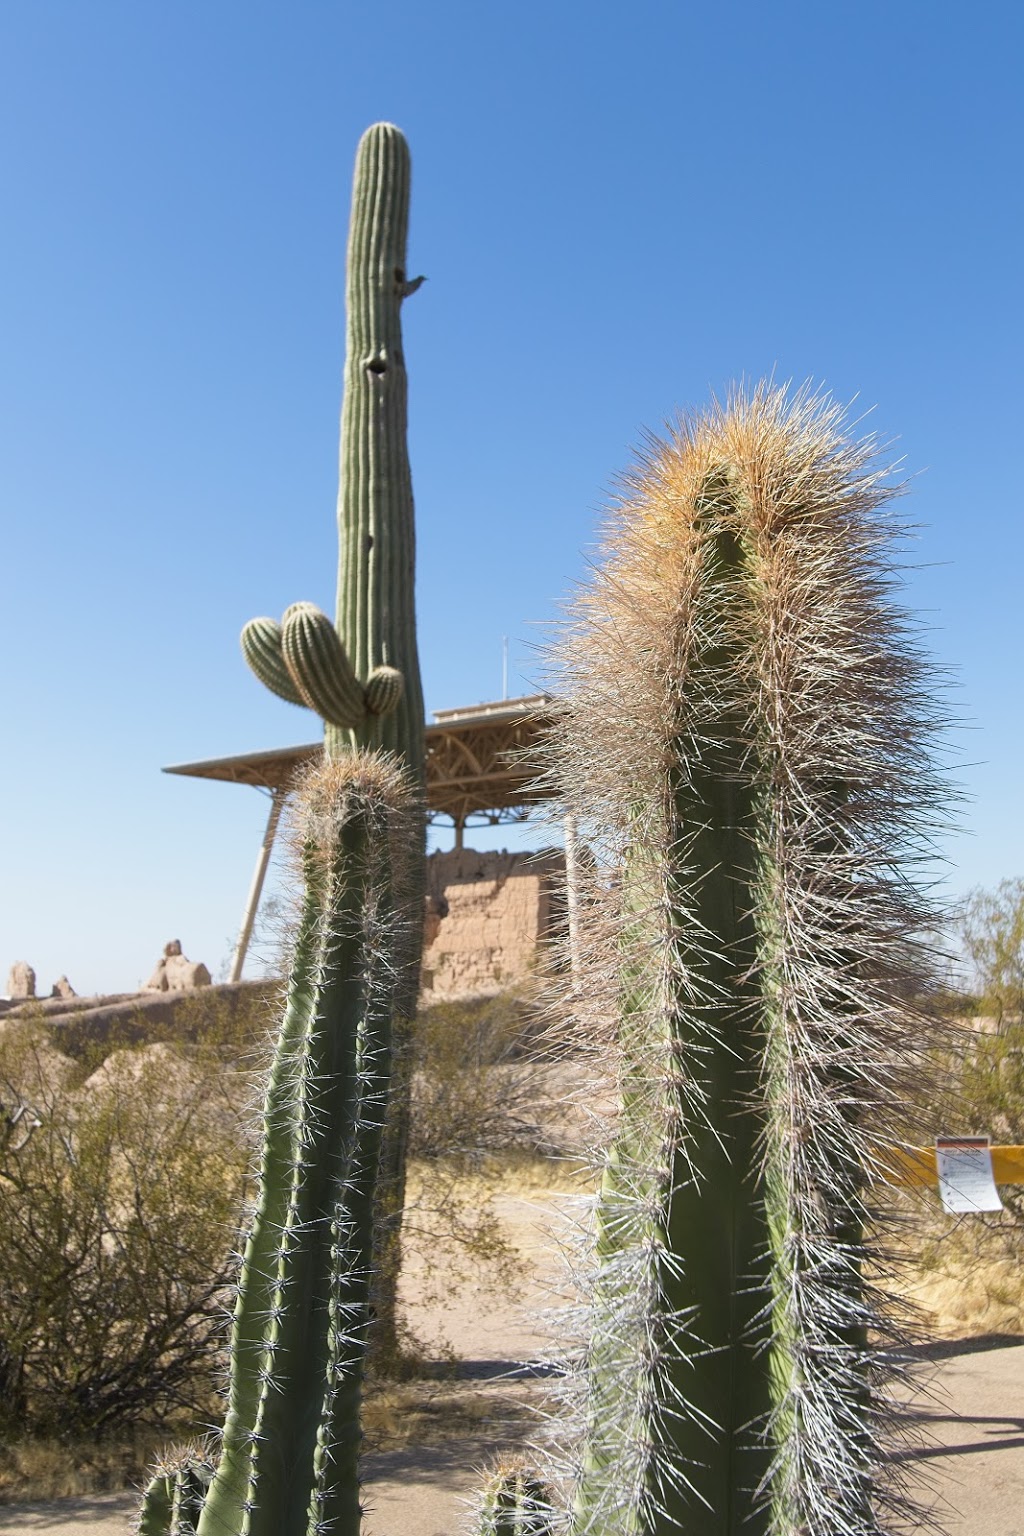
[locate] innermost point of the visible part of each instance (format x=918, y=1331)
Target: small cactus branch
x=261, y=647
x=515, y=1503
x=318, y=666
x=156, y=1512
x=384, y=689
x=173, y=1499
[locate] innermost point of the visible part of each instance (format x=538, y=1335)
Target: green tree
x=991, y=930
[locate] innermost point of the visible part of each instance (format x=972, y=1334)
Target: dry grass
x=49, y=1468
x=516, y=1172
x=966, y=1300
x=420, y=1413
x=431, y=1413
x=964, y=1275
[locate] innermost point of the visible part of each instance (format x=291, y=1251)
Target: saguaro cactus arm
x=302, y=660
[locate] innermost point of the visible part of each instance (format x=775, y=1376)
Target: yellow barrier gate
x=916, y=1165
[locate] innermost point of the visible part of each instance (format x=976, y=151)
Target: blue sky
x=620, y=210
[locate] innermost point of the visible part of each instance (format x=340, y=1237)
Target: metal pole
x=572, y=898
x=277, y=799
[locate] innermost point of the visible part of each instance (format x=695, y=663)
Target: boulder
x=63, y=988
x=21, y=980
x=175, y=973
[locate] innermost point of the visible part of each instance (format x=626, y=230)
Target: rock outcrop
x=176, y=973
x=21, y=980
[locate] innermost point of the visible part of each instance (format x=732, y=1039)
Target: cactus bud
x=384, y=689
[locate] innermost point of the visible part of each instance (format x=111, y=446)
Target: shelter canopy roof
x=475, y=759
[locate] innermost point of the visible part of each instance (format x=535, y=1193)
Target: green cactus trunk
x=746, y=725
x=701, y=1189
x=362, y=674
x=376, y=617
x=376, y=612
x=290, y=1447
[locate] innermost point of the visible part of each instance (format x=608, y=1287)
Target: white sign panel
x=965, y=1174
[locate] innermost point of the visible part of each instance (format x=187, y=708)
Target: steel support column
x=277, y=799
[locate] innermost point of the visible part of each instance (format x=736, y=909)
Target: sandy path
x=973, y=1466
x=974, y=1417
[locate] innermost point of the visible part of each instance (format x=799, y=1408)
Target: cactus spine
x=747, y=729
x=173, y=1500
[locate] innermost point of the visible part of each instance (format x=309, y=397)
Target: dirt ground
x=972, y=1416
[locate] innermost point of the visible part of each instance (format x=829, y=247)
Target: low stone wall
x=141, y=1017
x=503, y=910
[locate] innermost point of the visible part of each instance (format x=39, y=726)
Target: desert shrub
x=234, y=1022
x=477, y=1082
x=119, y=1196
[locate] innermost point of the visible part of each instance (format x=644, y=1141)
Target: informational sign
x=965, y=1174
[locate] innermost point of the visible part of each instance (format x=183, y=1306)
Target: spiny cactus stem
x=708, y=1241
x=174, y=1495
x=331, y=1195
x=226, y=1498
x=157, y=1512
x=335, y=1462
x=715, y=1213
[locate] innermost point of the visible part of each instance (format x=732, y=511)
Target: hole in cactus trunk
x=376, y=365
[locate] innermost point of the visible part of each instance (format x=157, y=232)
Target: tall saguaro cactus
x=321, y=1256
x=362, y=673
x=376, y=611
x=747, y=731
